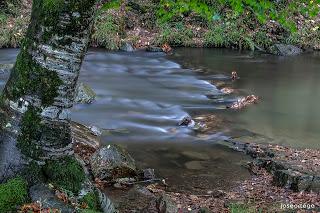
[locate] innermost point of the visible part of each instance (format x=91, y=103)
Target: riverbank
x=138, y=23
x=259, y=193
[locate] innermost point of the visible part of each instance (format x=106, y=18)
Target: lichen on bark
x=46, y=73
x=43, y=83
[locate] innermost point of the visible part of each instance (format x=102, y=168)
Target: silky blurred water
x=142, y=96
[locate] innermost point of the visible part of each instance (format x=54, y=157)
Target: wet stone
x=186, y=121
x=148, y=174
x=293, y=180
x=84, y=94
x=41, y=193
x=285, y=50
x=112, y=162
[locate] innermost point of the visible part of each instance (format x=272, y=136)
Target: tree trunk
x=42, y=84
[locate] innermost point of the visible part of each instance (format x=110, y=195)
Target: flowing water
x=142, y=96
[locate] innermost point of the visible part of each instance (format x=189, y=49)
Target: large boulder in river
x=112, y=162
x=285, y=50
x=84, y=94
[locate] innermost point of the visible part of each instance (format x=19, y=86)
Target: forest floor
x=138, y=23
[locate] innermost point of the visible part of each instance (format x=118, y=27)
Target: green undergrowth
x=176, y=34
x=106, y=32
x=12, y=194
x=242, y=208
x=92, y=200
x=65, y=173
x=243, y=24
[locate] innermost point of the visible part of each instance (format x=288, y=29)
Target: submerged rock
x=244, y=101
x=112, y=162
x=84, y=94
x=194, y=165
x=285, y=50
x=196, y=155
x=234, y=75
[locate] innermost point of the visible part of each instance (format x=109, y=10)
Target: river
x=142, y=96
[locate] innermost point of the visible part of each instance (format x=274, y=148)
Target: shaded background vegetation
x=243, y=24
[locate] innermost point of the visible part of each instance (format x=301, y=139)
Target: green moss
x=33, y=173
x=32, y=79
x=92, y=200
x=31, y=132
x=53, y=5
x=65, y=173
x=12, y=194
x=89, y=211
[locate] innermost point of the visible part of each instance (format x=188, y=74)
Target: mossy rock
x=12, y=194
x=65, y=173
x=285, y=50
x=33, y=173
x=92, y=200
x=89, y=211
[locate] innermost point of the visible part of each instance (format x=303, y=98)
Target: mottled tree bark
x=41, y=88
